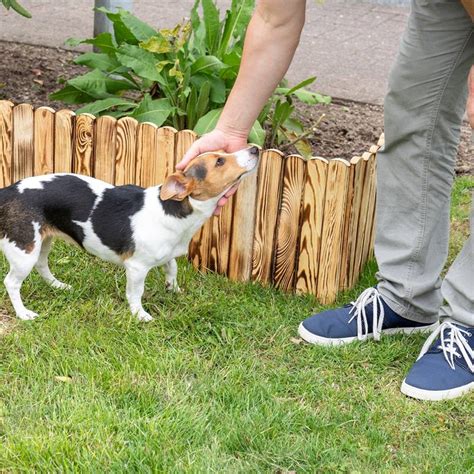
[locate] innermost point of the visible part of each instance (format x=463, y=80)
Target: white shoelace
x=453, y=344
x=370, y=295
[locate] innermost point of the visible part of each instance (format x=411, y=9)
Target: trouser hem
x=405, y=311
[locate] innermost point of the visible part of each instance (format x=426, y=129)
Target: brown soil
x=30, y=73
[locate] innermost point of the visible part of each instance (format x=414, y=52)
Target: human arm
x=469, y=6
x=270, y=43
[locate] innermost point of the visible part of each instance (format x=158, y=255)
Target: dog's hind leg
x=43, y=267
x=171, y=272
x=21, y=263
x=136, y=274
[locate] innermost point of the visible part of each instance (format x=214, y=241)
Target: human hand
x=213, y=141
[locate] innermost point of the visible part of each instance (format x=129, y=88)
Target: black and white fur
x=126, y=225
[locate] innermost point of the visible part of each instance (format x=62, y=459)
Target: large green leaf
x=143, y=63
x=212, y=24
x=71, y=95
x=236, y=21
x=102, y=61
x=154, y=111
x=302, y=84
x=208, y=122
x=140, y=30
x=17, y=7
x=127, y=27
x=197, y=39
x=218, y=87
x=95, y=108
x=203, y=99
x=304, y=95
x=206, y=65
x=99, y=85
x=105, y=42
x=257, y=134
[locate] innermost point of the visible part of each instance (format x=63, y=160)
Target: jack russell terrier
x=127, y=225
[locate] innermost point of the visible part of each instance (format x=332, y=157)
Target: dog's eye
x=220, y=161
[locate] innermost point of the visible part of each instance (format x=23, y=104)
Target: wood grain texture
x=220, y=242
x=369, y=221
x=312, y=217
x=147, y=155
x=104, y=155
x=166, y=142
x=268, y=202
x=243, y=230
x=358, y=169
x=44, y=140
x=333, y=226
x=346, y=242
x=184, y=139
x=125, y=152
x=289, y=222
x=23, y=141
x=64, y=141
x=84, y=145
x=6, y=138
x=363, y=211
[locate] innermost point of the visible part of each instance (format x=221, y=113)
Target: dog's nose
x=254, y=150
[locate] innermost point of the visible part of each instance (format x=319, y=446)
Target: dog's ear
x=177, y=186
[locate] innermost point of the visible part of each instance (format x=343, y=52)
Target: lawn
x=218, y=382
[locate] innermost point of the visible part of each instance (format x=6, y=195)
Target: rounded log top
x=7, y=105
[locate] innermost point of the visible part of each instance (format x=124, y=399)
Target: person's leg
x=423, y=113
x=458, y=285
x=445, y=367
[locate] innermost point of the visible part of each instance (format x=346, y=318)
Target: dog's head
x=210, y=175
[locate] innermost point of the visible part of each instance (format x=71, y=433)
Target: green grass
x=214, y=384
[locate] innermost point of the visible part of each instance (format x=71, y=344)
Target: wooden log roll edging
x=304, y=225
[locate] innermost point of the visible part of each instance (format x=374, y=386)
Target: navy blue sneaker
x=445, y=367
x=368, y=317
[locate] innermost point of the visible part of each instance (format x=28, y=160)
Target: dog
x=138, y=228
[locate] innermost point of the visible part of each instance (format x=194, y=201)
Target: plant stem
x=303, y=135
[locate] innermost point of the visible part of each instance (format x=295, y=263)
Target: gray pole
x=101, y=22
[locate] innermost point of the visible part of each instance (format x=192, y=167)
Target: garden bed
x=30, y=73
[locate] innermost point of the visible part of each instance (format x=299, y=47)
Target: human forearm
x=469, y=6
x=272, y=37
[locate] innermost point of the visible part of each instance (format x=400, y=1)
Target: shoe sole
x=325, y=341
x=435, y=395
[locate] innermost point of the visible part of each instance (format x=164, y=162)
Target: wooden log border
x=300, y=225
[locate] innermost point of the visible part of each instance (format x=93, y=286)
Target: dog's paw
x=173, y=287
x=144, y=316
x=60, y=285
x=27, y=315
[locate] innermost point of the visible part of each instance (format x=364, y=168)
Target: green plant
x=14, y=5
x=179, y=77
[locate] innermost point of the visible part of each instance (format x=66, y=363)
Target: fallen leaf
x=38, y=81
x=296, y=340
x=37, y=72
x=62, y=378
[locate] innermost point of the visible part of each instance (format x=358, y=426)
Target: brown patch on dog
x=16, y=224
x=49, y=231
x=126, y=255
x=222, y=172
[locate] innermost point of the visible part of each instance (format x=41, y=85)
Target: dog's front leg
x=171, y=272
x=136, y=274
